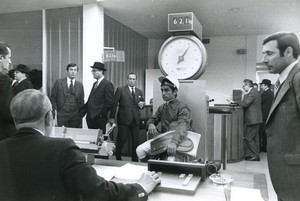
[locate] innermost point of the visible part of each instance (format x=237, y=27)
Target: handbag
x=160, y=144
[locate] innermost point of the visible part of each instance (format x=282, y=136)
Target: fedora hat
x=99, y=66
x=23, y=68
x=266, y=82
x=170, y=81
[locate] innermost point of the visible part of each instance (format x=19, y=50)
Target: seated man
x=173, y=112
x=36, y=167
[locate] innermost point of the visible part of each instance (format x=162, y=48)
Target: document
x=245, y=194
x=130, y=172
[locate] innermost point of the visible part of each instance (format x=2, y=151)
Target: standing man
x=173, y=115
x=130, y=100
x=281, y=51
x=252, y=119
x=7, y=126
x=37, y=167
x=21, y=76
x=67, y=97
x=100, y=100
x=267, y=97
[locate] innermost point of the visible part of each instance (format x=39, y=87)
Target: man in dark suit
x=267, y=97
x=36, y=167
x=130, y=99
x=7, y=126
x=21, y=77
x=100, y=100
x=281, y=51
x=67, y=97
x=252, y=118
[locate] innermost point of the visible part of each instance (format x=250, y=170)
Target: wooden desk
x=207, y=191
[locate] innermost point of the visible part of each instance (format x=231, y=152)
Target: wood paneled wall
x=136, y=49
x=64, y=42
x=64, y=45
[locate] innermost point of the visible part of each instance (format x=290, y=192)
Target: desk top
x=207, y=191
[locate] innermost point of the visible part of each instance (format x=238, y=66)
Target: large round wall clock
x=183, y=56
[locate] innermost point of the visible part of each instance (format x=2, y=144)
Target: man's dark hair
x=72, y=65
x=131, y=74
x=248, y=82
x=284, y=41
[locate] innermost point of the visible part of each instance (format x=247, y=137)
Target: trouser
x=71, y=119
x=262, y=138
x=251, y=140
x=96, y=123
x=125, y=132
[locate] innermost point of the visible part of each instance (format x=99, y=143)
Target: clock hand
x=181, y=58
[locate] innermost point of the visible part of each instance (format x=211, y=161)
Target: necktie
x=96, y=84
x=71, y=87
x=276, y=86
x=132, y=93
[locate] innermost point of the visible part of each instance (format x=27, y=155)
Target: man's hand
x=152, y=130
x=171, y=149
x=149, y=180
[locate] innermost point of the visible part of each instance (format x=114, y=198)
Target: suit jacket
x=283, y=132
x=128, y=110
x=38, y=168
x=59, y=93
x=24, y=84
x=100, y=100
x=266, y=102
x=6, y=121
x=252, y=107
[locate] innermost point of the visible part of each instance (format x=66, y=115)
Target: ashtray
x=221, y=178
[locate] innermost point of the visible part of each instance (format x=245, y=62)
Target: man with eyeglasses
x=37, y=167
x=7, y=126
x=100, y=100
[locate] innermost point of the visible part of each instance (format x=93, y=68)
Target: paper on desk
x=245, y=194
x=109, y=128
x=106, y=173
x=130, y=171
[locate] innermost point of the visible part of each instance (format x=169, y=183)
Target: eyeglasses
x=94, y=70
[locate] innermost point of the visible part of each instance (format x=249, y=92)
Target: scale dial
x=182, y=56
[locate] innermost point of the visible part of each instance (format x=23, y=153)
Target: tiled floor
x=250, y=166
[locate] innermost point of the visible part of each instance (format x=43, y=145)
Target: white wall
x=225, y=69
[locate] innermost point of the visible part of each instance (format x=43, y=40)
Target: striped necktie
x=276, y=86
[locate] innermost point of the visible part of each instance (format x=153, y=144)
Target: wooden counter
x=234, y=132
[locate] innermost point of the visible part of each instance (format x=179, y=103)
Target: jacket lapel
x=65, y=86
x=282, y=91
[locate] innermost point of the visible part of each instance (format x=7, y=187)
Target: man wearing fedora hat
x=267, y=97
x=7, y=126
x=21, y=77
x=100, y=100
x=173, y=115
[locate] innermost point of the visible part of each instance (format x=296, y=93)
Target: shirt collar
x=100, y=79
x=38, y=131
x=69, y=81
x=130, y=87
x=283, y=75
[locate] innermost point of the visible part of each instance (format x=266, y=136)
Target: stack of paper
x=245, y=194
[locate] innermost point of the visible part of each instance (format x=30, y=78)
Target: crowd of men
x=65, y=175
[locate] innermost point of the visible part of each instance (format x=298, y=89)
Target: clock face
x=183, y=57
